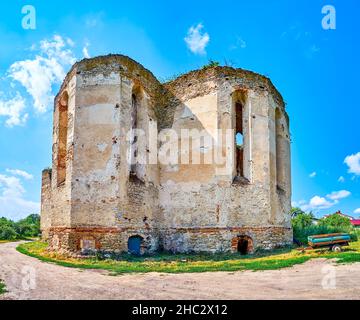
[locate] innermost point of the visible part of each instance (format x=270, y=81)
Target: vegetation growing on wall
x=211, y=64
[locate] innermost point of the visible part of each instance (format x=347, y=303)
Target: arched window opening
x=239, y=139
x=133, y=142
x=280, y=151
x=137, y=141
x=62, y=138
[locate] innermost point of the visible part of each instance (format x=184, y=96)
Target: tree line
x=22, y=229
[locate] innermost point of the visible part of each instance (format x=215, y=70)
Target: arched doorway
x=134, y=245
x=243, y=245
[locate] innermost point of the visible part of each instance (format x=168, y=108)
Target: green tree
x=28, y=227
x=7, y=233
x=302, y=220
x=295, y=211
x=336, y=220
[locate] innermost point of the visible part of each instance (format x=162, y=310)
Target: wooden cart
x=334, y=241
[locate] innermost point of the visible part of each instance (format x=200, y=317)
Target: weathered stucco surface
x=194, y=204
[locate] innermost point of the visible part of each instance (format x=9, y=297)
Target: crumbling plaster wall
x=102, y=195
x=195, y=207
x=197, y=201
x=56, y=199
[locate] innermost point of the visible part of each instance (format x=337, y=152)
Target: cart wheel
x=336, y=248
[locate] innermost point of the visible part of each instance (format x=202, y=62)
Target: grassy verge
x=191, y=263
x=2, y=287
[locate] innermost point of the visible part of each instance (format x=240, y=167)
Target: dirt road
x=29, y=278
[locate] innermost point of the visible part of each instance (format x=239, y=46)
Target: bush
x=7, y=233
x=302, y=220
x=303, y=226
x=335, y=220
x=28, y=227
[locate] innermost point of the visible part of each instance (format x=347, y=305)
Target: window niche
x=136, y=174
x=239, y=101
x=62, y=138
x=280, y=151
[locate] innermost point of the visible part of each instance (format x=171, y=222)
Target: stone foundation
x=181, y=240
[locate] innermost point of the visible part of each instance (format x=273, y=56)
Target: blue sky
x=316, y=70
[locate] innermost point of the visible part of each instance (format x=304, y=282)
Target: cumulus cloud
x=312, y=175
x=357, y=211
x=13, y=110
x=20, y=173
x=197, y=39
x=353, y=162
x=317, y=203
x=12, y=202
x=38, y=75
x=341, y=179
x=337, y=195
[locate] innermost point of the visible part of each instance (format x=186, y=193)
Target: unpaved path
x=29, y=278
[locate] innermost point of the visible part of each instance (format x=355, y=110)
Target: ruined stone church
x=111, y=188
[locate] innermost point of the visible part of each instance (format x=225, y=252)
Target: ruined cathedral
x=197, y=164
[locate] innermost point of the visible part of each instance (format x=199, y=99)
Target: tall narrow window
x=280, y=151
x=133, y=141
x=239, y=140
x=62, y=143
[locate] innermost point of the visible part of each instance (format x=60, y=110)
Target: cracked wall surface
x=183, y=207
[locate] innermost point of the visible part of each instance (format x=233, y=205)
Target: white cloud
x=11, y=186
x=197, y=39
x=298, y=203
x=20, y=173
x=341, y=179
x=312, y=175
x=85, y=51
x=337, y=195
x=317, y=203
x=13, y=109
x=38, y=75
x=357, y=211
x=70, y=42
x=353, y=162
x=320, y=203
x=12, y=202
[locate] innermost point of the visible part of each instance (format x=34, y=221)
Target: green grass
x=183, y=263
x=2, y=287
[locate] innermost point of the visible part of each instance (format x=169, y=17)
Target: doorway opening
x=134, y=245
x=244, y=245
